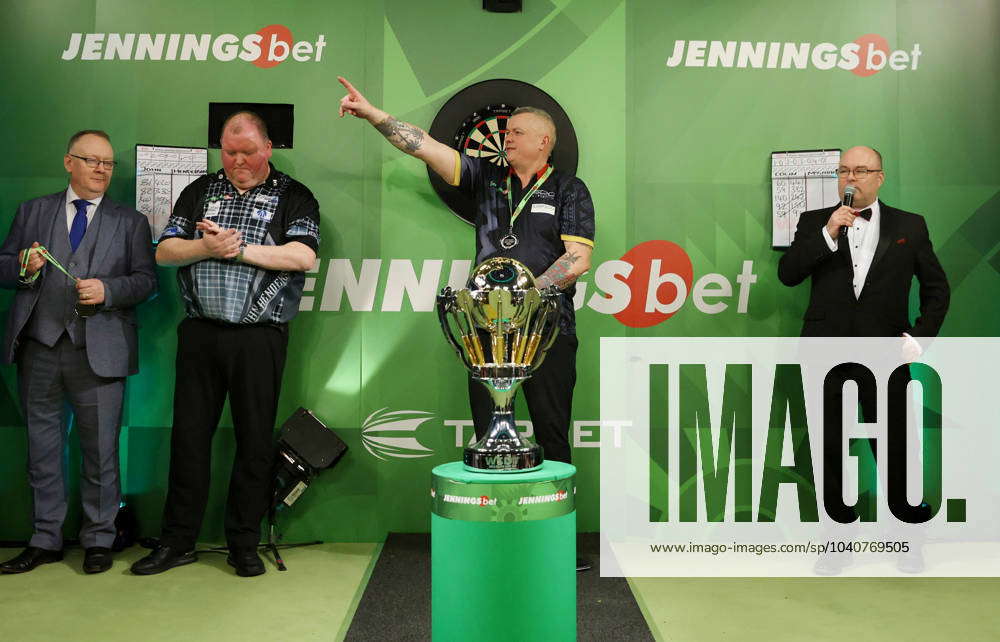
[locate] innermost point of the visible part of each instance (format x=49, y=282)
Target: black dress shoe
x=246, y=561
x=96, y=559
x=583, y=564
x=29, y=559
x=163, y=558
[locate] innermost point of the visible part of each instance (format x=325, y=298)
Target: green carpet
x=313, y=600
x=820, y=610
x=317, y=597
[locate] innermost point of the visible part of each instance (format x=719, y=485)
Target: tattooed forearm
x=560, y=273
x=404, y=136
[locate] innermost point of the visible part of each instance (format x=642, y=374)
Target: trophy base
x=520, y=461
x=502, y=450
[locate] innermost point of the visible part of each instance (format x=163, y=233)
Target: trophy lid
x=500, y=272
x=496, y=289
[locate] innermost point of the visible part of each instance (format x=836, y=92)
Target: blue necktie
x=79, y=227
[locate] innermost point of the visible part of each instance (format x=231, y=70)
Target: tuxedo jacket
x=904, y=250
x=122, y=260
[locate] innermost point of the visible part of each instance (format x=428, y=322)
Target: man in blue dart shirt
x=530, y=212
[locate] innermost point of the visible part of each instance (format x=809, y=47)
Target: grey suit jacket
x=123, y=261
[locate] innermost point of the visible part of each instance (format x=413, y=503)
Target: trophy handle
x=445, y=309
x=545, y=328
x=553, y=311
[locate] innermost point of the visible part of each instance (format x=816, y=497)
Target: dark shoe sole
x=243, y=572
x=180, y=561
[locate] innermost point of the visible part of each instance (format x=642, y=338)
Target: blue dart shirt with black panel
x=561, y=210
x=277, y=211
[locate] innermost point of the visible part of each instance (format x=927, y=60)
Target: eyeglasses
x=859, y=172
x=94, y=162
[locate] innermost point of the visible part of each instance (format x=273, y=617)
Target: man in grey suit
x=74, y=340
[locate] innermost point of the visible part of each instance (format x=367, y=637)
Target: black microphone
x=848, y=199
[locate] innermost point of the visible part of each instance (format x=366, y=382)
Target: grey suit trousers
x=48, y=378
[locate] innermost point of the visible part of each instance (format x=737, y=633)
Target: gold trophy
x=501, y=325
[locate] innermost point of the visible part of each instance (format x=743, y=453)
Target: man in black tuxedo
x=861, y=260
x=861, y=283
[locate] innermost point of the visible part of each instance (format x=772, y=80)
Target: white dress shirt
x=862, y=237
x=71, y=209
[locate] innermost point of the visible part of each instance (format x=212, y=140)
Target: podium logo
x=482, y=500
x=866, y=56
x=392, y=435
x=268, y=47
x=557, y=496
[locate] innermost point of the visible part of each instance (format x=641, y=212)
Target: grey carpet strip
x=396, y=604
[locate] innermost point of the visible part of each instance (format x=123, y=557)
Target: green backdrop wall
x=675, y=152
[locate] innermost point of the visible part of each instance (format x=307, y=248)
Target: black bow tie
x=865, y=214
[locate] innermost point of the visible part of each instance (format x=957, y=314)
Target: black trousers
x=213, y=360
x=549, y=394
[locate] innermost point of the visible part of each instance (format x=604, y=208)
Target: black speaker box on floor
x=305, y=447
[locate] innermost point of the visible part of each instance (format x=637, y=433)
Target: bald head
x=239, y=122
x=865, y=188
x=246, y=150
x=867, y=156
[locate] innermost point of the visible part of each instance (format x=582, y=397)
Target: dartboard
x=481, y=135
x=474, y=121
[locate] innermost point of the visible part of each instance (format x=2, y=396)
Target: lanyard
x=514, y=213
x=45, y=254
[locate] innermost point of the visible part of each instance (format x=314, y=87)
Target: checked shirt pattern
x=237, y=292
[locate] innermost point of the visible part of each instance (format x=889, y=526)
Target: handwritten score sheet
x=800, y=181
x=160, y=175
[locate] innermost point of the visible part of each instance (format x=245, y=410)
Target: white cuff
x=911, y=348
x=830, y=243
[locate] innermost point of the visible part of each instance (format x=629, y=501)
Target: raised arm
x=404, y=136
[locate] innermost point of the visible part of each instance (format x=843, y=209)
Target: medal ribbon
x=527, y=197
x=45, y=254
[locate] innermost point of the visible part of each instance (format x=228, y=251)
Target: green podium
x=503, y=554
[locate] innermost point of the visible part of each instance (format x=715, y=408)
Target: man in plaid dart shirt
x=243, y=238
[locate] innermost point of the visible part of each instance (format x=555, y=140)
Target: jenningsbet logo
x=866, y=56
x=649, y=284
x=486, y=500
x=392, y=434
x=268, y=47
